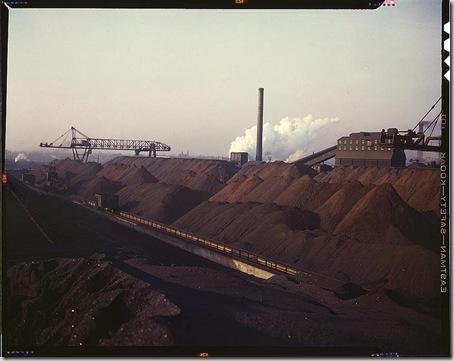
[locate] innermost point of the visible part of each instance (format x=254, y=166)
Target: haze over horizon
x=189, y=78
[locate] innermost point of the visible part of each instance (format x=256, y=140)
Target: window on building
x=389, y=148
x=362, y=147
x=376, y=141
x=357, y=142
x=362, y=141
x=375, y=148
x=340, y=148
x=345, y=148
x=356, y=148
x=351, y=141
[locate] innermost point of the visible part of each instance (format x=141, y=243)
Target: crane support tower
x=82, y=145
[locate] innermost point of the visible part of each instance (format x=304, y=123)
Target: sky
x=189, y=78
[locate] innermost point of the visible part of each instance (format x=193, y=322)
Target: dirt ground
x=86, y=281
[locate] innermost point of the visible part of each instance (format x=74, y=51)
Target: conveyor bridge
x=319, y=157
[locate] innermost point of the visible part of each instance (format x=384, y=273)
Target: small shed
x=109, y=201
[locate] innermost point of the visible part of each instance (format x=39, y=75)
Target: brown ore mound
x=261, y=183
x=381, y=216
x=127, y=175
x=365, y=231
x=74, y=302
x=71, y=173
x=333, y=210
x=205, y=175
x=290, y=235
x=75, y=171
x=358, y=224
x=96, y=185
x=159, y=201
x=158, y=188
x=419, y=187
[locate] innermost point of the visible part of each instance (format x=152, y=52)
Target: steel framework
x=82, y=145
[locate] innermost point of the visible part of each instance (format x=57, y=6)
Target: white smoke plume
x=20, y=156
x=289, y=140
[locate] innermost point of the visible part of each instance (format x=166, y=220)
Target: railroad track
x=253, y=259
x=236, y=253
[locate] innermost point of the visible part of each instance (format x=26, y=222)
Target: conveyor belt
x=318, y=157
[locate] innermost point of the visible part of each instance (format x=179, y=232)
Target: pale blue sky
x=189, y=78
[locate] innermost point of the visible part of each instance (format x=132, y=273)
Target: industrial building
x=321, y=167
x=381, y=149
x=239, y=158
x=51, y=178
x=109, y=201
x=28, y=178
x=369, y=149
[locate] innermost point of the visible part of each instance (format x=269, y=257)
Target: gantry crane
x=82, y=145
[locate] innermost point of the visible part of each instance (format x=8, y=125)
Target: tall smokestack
x=258, y=152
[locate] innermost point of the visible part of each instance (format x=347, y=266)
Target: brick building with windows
x=369, y=149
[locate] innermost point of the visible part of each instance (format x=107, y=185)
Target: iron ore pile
x=359, y=224
x=372, y=230
x=159, y=188
x=362, y=224
x=76, y=302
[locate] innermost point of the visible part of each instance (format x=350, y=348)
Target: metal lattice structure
x=82, y=145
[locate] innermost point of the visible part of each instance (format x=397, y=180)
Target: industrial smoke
x=289, y=140
x=20, y=156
